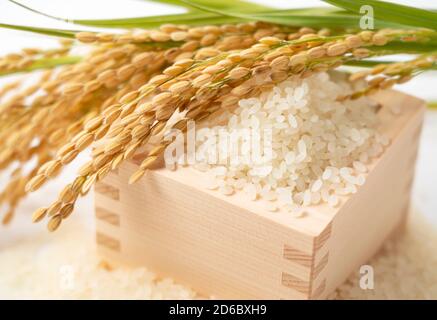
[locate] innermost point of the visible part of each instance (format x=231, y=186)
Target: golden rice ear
x=39, y=214
x=54, y=223
x=7, y=218
x=121, y=94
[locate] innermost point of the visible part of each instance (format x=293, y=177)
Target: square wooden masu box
x=230, y=247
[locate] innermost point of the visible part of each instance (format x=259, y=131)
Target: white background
x=424, y=197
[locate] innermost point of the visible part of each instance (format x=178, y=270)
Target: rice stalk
x=124, y=92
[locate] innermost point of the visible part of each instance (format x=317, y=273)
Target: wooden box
x=231, y=247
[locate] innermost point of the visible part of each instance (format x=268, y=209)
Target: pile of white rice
x=65, y=265
x=320, y=146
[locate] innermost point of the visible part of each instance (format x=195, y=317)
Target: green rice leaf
x=236, y=5
x=44, y=31
x=192, y=17
x=201, y=12
x=391, y=12
x=203, y=18
x=329, y=21
x=317, y=17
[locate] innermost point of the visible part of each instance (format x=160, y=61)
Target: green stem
x=44, y=31
x=373, y=63
x=432, y=105
x=45, y=63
